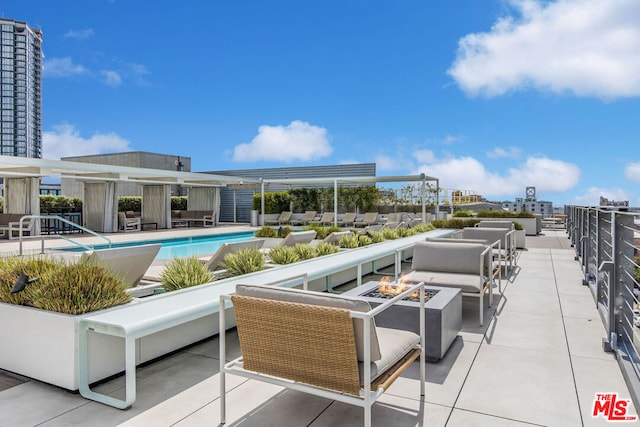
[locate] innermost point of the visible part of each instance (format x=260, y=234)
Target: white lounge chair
x=293, y=239
x=129, y=263
x=284, y=218
x=213, y=262
x=326, y=218
x=306, y=218
x=369, y=218
x=347, y=219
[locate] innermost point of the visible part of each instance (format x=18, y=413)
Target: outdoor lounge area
x=541, y=338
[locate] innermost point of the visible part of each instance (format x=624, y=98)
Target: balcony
x=539, y=359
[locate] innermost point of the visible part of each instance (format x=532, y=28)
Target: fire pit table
x=443, y=313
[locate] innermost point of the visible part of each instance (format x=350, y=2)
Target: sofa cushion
x=469, y=283
x=324, y=300
x=394, y=345
x=489, y=234
x=463, y=258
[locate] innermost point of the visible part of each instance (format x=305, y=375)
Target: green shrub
x=178, y=203
x=405, y=232
x=284, y=231
x=274, y=202
x=423, y=228
x=304, y=251
x=463, y=213
x=636, y=270
x=454, y=223
x=283, y=255
x=64, y=288
x=376, y=236
x=266, y=231
x=390, y=233
x=364, y=241
x=517, y=225
x=504, y=214
x=322, y=232
x=324, y=248
x=130, y=203
x=243, y=261
x=183, y=273
x=348, y=242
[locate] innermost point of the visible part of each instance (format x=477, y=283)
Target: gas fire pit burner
x=389, y=290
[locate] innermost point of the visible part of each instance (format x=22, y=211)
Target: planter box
x=531, y=225
x=521, y=239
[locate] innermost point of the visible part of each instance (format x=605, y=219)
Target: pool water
x=184, y=246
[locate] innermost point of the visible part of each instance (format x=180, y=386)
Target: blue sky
x=490, y=96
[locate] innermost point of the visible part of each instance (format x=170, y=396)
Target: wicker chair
x=318, y=343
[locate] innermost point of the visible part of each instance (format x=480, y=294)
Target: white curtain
x=156, y=205
x=204, y=199
x=100, y=206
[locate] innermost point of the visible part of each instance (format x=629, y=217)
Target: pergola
x=353, y=180
x=100, y=205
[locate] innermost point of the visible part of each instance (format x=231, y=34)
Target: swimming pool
x=184, y=246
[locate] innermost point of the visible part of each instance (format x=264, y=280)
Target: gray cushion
x=469, y=283
x=496, y=224
x=489, y=234
x=323, y=300
x=463, y=258
x=394, y=345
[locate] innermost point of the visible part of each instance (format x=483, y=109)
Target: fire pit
x=388, y=290
x=442, y=309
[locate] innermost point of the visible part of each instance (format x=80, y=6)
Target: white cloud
x=111, y=78
x=592, y=196
x=424, y=156
x=590, y=48
x=450, y=139
x=61, y=67
x=511, y=153
x=467, y=173
x=299, y=141
x=387, y=163
x=79, y=34
x=632, y=171
x=65, y=141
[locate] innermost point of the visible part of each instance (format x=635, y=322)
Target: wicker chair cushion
x=324, y=300
x=394, y=345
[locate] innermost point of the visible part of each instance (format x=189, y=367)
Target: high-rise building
x=21, y=96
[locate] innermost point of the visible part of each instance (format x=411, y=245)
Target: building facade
x=21, y=96
x=530, y=204
x=134, y=159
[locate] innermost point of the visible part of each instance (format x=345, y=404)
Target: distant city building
x=530, y=204
x=135, y=159
x=613, y=203
x=21, y=96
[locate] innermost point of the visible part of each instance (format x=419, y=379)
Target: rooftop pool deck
x=537, y=360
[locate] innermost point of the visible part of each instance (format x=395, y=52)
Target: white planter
x=43, y=345
x=530, y=225
x=521, y=239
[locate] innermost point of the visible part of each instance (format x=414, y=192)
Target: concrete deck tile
x=460, y=418
x=529, y=301
x=581, y=335
x=542, y=332
x=444, y=379
x=523, y=385
x=33, y=403
x=388, y=411
x=532, y=284
x=581, y=306
x=241, y=402
x=182, y=405
x=598, y=376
